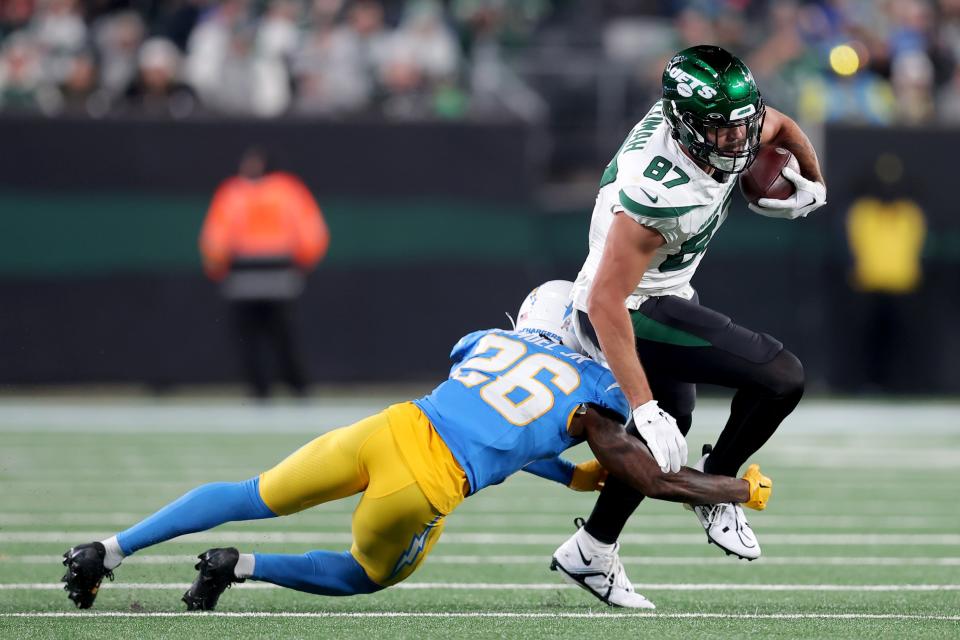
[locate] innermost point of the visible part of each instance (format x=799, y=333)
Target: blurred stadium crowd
x=247, y=57
x=876, y=61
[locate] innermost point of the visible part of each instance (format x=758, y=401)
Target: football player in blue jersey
x=514, y=400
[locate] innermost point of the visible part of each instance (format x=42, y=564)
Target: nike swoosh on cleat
x=583, y=557
x=652, y=198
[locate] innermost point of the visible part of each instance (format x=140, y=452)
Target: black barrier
x=382, y=324
x=398, y=324
x=489, y=161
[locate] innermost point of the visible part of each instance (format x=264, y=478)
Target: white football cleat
x=600, y=573
x=726, y=524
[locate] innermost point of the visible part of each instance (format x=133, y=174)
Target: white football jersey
x=654, y=182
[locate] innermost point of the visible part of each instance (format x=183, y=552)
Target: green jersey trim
x=647, y=328
x=652, y=212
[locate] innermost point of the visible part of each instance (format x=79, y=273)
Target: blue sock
x=325, y=573
x=203, y=508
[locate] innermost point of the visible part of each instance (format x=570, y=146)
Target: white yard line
x=479, y=614
x=490, y=519
x=502, y=539
x=526, y=586
x=671, y=561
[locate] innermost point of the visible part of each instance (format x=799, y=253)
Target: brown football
x=762, y=178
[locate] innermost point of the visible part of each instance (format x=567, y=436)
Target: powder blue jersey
x=509, y=400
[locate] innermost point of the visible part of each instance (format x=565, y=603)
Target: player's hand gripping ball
x=773, y=186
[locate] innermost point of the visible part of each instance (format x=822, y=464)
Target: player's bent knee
x=684, y=422
x=787, y=379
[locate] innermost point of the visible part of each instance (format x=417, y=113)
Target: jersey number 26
x=514, y=370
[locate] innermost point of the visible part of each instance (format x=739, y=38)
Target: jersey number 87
x=515, y=370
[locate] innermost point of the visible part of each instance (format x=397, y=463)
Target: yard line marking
x=871, y=561
x=798, y=539
x=492, y=518
x=477, y=614
x=527, y=586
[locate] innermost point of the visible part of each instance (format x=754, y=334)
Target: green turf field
x=862, y=537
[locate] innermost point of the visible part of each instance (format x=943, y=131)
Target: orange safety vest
x=273, y=217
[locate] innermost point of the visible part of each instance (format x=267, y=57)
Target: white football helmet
x=548, y=310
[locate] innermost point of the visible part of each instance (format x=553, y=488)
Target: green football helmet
x=713, y=107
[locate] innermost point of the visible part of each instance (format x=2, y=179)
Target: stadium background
x=456, y=155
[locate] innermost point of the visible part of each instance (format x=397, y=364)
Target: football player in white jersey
x=662, y=198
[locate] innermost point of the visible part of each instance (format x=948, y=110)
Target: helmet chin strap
x=513, y=323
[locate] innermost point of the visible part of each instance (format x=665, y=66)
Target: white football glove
x=659, y=430
x=809, y=195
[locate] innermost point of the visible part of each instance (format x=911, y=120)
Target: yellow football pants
x=394, y=525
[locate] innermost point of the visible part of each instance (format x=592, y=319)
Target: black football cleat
x=85, y=572
x=216, y=575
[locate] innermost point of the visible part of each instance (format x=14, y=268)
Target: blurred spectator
x=454, y=58
x=911, y=76
x=209, y=46
x=15, y=14
x=79, y=91
x=59, y=32
x=177, y=18
x=317, y=72
x=232, y=90
x=423, y=59
x=278, y=35
x=948, y=28
x=23, y=86
x=948, y=105
x=249, y=83
x=118, y=38
x=511, y=22
x=277, y=40
x=495, y=88
x=783, y=62
x=157, y=90
x=262, y=234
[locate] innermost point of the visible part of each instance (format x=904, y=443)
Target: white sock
x=245, y=564
x=590, y=544
x=114, y=555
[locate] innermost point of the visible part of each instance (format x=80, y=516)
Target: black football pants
x=680, y=344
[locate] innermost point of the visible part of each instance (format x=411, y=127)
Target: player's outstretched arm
x=586, y=476
x=626, y=457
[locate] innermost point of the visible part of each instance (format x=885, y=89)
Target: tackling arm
x=626, y=457
x=586, y=476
